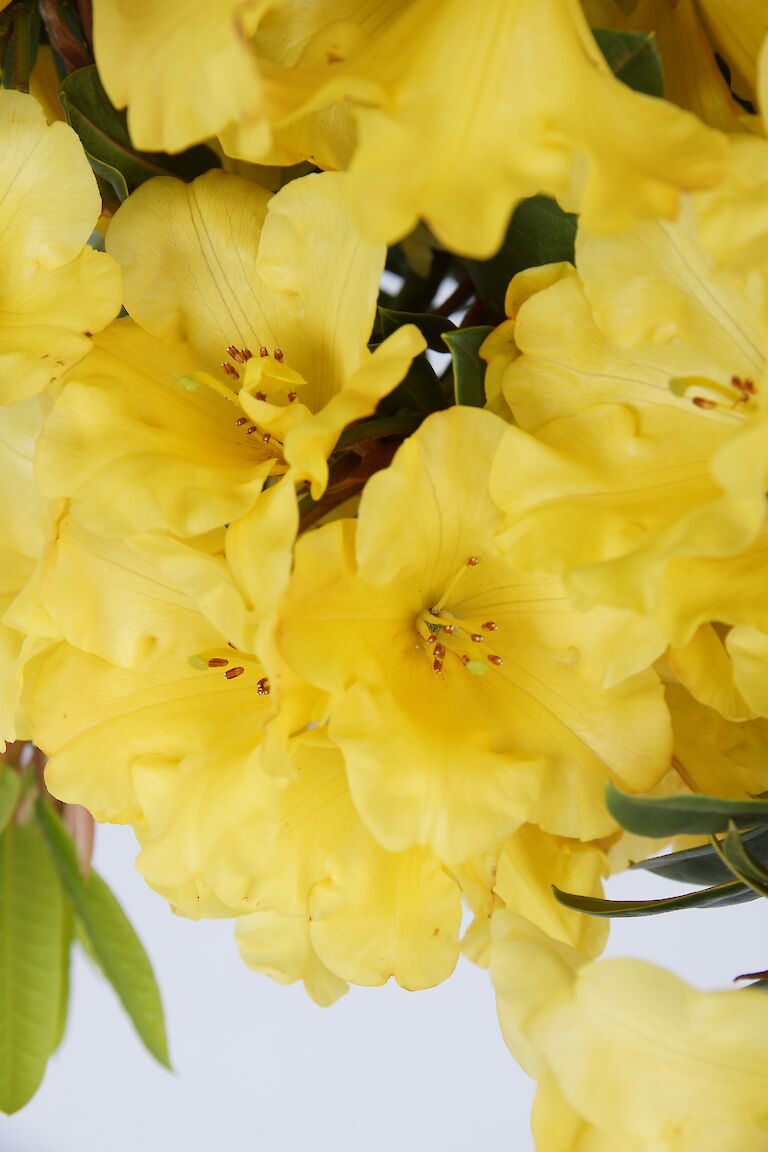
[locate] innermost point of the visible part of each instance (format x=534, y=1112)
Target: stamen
x=267, y=437
x=218, y=662
x=472, y=561
x=231, y=371
x=476, y=638
x=231, y=673
x=240, y=421
x=250, y=431
x=291, y=397
x=497, y=660
x=260, y=396
x=278, y=355
x=246, y=354
x=490, y=625
x=235, y=354
x=702, y=402
x=262, y=687
x=449, y=629
x=263, y=351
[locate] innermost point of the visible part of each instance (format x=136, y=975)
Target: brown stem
x=61, y=36
x=461, y=293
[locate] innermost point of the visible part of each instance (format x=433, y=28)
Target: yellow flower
x=169, y=722
x=514, y=97
x=641, y=398
x=689, y=34
x=459, y=694
x=275, y=296
x=184, y=69
x=367, y=914
x=630, y=1057
x=54, y=292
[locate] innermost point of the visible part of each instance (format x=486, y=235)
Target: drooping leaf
x=10, y=790
x=720, y=896
x=431, y=327
x=468, y=368
x=31, y=931
x=104, y=134
x=633, y=58
x=539, y=232
x=114, y=942
x=65, y=956
x=741, y=862
x=682, y=815
x=702, y=865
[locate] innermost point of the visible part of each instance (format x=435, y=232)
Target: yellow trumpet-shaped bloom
x=54, y=291
x=639, y=389
x=628, y=1056
x=275, y=295
x=515, y=98
x=459, y=697
x=368, y=914
x=184, y=69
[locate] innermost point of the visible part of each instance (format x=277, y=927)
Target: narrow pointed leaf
x=10, y=790
x=468, y=368
x=111, y=937
x=31, y=929
x=431, y=327
x=742, y=864
x=702, y=865
x=633, y=58
x=720, y=896
x=65, y=956
x=682, y=815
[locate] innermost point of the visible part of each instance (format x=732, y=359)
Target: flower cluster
x=348, y=649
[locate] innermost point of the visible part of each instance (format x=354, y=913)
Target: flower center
x=732, y=397
x=232, y=666
x=444, y=635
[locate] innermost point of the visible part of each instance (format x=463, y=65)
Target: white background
x=259, y=1067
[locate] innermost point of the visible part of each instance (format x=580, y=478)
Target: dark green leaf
x=31, y=914
x=115, y=944
x=468, y=368
x=741, y=862
x=401, y=424
x=10, y=790
x=539, y=232
x=431, y=327
x=702, y=865
x=633, y=58
x=682, y=815
x=419, y=392
x=104, y=134
x=20, y=38
x=718, y=897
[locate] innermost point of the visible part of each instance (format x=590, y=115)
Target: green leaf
x=402, y=424
x=741, y=862
x=702, y=865
x=682, y=815
x=103, y=131
x=539, y=232
x=719, y=896
x=468, y=368
x=10, y=790
x=112, y=939
x=31, y=915
x=633, y=58
x=420, y=391
x=20, y=38
x=431, y=327
x=65, y=956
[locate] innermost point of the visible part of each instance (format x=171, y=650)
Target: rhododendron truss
x=393, y=622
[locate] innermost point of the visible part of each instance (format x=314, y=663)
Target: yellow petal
x=53, y=294
x=280, y=946
x=184, y=69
